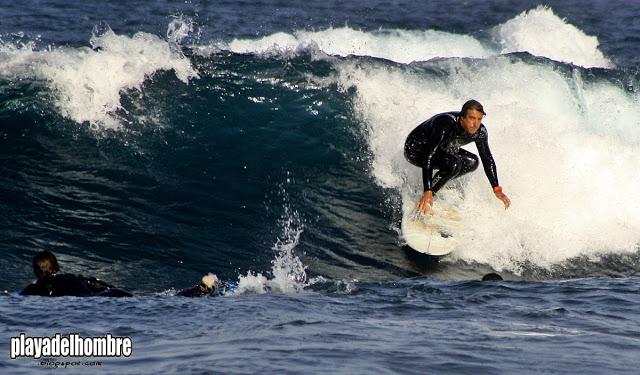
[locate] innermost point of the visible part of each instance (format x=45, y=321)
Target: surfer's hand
x=503, y=197
x=426, y=202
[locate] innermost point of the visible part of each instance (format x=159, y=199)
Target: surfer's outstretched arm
x=490, y=169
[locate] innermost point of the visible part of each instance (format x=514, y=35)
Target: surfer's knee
x=412, y=153
x=455, y=167
x=472, y=163
x=469, y=163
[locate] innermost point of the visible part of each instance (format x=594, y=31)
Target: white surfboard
x=435, y=233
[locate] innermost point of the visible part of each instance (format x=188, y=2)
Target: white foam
x=398, y=45
x=179, y=29
x=88, y=82
x=541, y=32
x=566, y=153
x=288, y=274
x=538, y=31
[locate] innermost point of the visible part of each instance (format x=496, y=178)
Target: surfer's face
x=471, y=121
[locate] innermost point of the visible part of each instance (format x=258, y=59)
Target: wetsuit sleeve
x=433, y=143
x=31, y=290
x=488, y=163
x=191, y=292
x=95, y=285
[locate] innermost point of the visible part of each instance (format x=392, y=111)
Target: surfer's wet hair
x=45, y=264
x=471, y=104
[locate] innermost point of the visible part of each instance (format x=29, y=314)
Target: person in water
x=51, y=282
x=210, y=285
x=435, y=145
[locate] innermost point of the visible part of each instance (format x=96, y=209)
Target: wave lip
x=542, y=33
x=403, y=46
x=87, y=82
x=538, y=31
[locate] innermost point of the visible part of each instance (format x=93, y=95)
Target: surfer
x=55, y=284
x=435, y=144
x=210, y=285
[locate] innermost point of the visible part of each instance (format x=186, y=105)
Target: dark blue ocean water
x=149, y=143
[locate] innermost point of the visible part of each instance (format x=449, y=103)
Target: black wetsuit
x=202, y=291
x=435, y=144
x=64, y=284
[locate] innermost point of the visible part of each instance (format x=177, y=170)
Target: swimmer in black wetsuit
x=55, y=284
x=435, y=144
x=210, y=285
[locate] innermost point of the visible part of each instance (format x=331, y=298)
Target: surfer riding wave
x=435, y=145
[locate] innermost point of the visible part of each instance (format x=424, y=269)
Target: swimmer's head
x=209, y=283
x=45, y=264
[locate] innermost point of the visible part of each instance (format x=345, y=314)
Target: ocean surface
x=148, y=143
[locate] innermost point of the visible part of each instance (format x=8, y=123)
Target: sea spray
x=87, y=83
x=541, y=32
x=288, y=274
x=538, y=31
x=398, y=45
